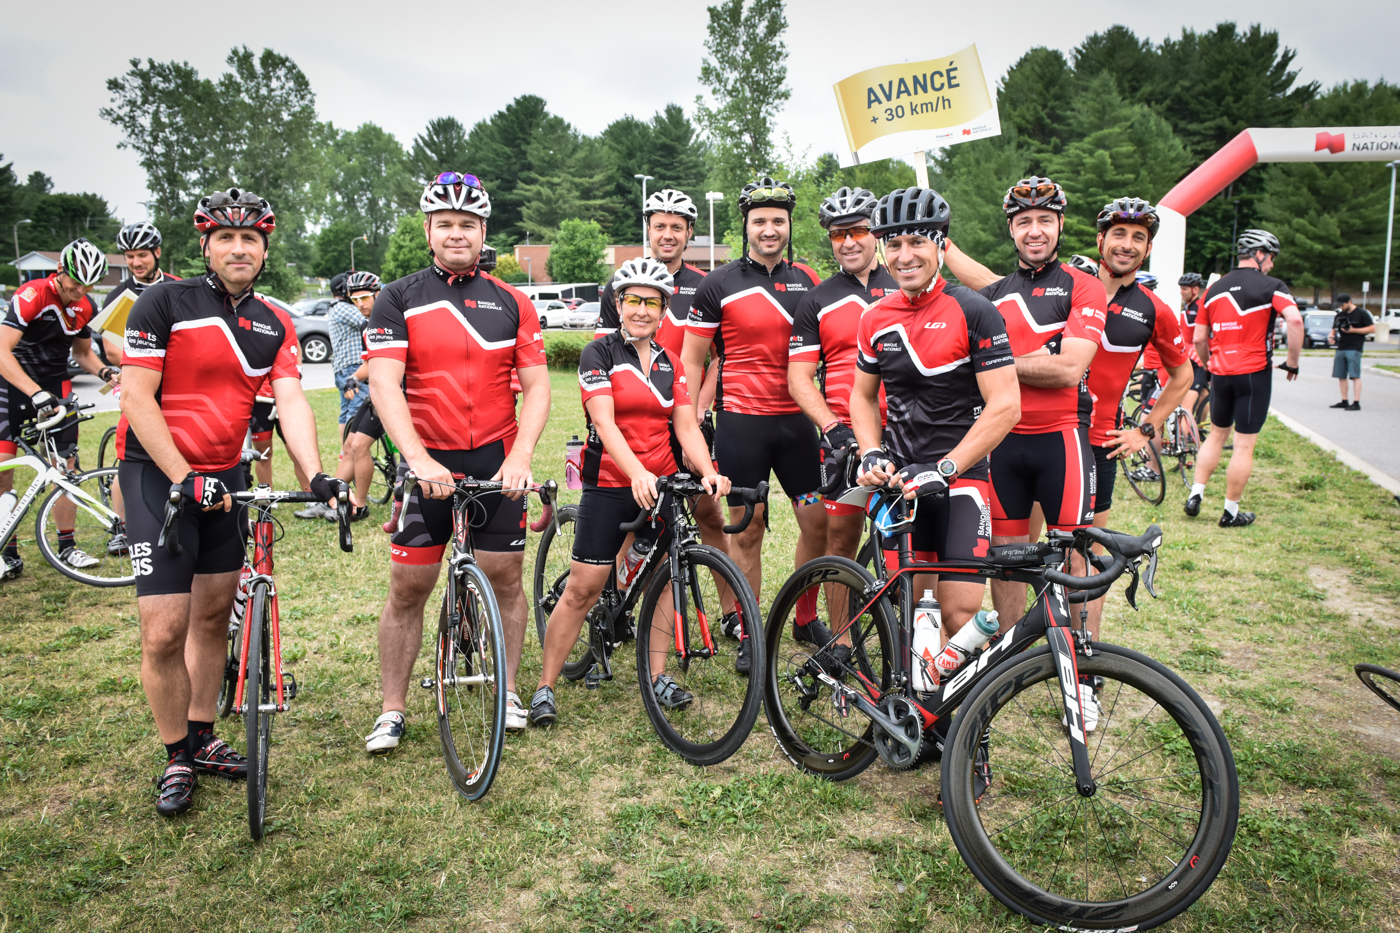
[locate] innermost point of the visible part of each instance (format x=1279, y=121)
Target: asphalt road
x=1369, y=434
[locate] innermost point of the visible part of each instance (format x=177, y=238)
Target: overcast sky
x=402, y=63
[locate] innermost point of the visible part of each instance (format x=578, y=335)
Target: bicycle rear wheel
x=98, y=557
x=1187, y=445
x=802, y=710
x=553, y=557
x=471, y=682
x=258, y=693
x=107, y=449
x=1382, y=682
x=1144, y=472
x=386, y=465
x=1150, y=839
x=229, y=687
x=718, y=718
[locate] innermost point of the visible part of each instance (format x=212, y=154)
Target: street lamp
x=1389, y=232
x=712, y=197
x=529, y=271
x=644, y=179
x=30, y=222
x=353, y=241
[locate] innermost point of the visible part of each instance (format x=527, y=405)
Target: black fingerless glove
x=325, y=487
x=838, y=435
x=206, y=491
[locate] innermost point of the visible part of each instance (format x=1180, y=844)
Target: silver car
x=584, y=316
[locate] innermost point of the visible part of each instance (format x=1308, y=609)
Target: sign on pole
x=895, y=110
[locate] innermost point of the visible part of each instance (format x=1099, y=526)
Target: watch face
x=947, y=467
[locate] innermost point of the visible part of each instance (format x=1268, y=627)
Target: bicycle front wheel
x=1150, y=838
x=722, y=703
x=471, y=682
x=97, y=553
x=1381, y=681
x=259, y=695
x=386, y=465
x=1144, y=472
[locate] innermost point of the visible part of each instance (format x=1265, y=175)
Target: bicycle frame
x=261, y=565
x=48, y=475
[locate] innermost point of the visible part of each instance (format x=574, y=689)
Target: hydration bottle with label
x=632, y=561
x=8, y=501
x=240, y=597
x=928, y=619
x=969, y=638
x=573, y=463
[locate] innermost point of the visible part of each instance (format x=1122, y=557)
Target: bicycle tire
x=386, y=465
x=108, y=442
x=1188, y=444
x=257, y=691
x=471, y=721
x=719, y=719
x=113, y=568
x=229, y=687
x=552, y=563
x=1368, y=674
x=1189, y=775
x=1151, y=491
x=815, y=741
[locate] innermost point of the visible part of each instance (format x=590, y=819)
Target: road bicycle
x=676, y=638
x=386, y=468
x=81, y=503
x=469, y=673
x=1381, y=681
x=255, y=685
x=1180, y=441
x=1118, y=824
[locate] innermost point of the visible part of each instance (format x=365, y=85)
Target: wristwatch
x=1148, y=431
x=947, y=468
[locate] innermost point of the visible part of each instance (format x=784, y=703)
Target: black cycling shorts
x=1055, y=469
x=16, y=410
x=364, y=420
x=602, y=510
x=1200, y=377
x=1104, y=470
x=497, y=523
x=264, y=421
x=957, y=526
x=213, y=542
x=1241, y=401
x=749, y=447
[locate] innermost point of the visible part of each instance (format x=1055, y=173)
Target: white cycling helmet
x=671, y=201
x=1253, y=240
x=847, y=205
x=83, y=262
x=455, y=191
x=648, y=272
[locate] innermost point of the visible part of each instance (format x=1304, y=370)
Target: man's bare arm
x=1057, y=370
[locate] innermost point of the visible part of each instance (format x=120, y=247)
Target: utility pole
x=1389, y=233
x=644, y=179
x=712, y=197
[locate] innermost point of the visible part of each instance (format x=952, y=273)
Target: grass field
x=593, y=826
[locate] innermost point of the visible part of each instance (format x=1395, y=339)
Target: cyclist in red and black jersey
x=196, y=353
x=442, y=344
x=46, y=320
x=943, y=357
x=1054, y=315
x=635, y=396
x=1234, y=331
x=744, y=309
x=1190, y=285
x=140, y=246
x=822, y=353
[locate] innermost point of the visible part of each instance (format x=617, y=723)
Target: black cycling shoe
x=743, y=661
x=833, y=659
x=175, y=787
x=218, y=759
x=1342, y=404
x=1192, y=506
x=542, y=710
x=813, y=633
x=1240, y=519
x=729, y=625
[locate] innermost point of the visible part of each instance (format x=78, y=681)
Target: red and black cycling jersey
x=1186, y=320
x=459, y=337
x=49, y=326
x=1239, y=312
x=212, y=358
x=927, y=354
x=1042, y=307
x=747, y=311
x=824, y=331
x=671, y=333
x=643, y=404
x=1137, y=320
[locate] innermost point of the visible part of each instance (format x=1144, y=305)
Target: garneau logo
x=1053, y=291
x=935, y=325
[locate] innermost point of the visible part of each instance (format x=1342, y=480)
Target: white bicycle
x=77, y=530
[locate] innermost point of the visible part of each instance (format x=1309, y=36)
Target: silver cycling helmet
x=670, y=201
x=361, y=282
x=140, y=235
x=1084, y=264
x=648, y=272
x=455, y=191
x=1253, y=240
x=83, y=262
x=847, y=205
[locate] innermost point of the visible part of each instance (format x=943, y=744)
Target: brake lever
x=1149, y=576
x=1131, y=592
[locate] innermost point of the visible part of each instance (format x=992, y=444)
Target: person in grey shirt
x=1349, y=329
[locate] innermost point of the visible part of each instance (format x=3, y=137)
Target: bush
x=408, y=249
x=508, y=270
x=577, y=253
x=562, y=350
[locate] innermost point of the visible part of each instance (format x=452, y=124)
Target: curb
x=1384, y=480
x=1381, y=372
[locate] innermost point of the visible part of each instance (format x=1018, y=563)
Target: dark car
x=1316, y=325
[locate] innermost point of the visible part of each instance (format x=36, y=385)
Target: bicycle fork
x=1062, y=649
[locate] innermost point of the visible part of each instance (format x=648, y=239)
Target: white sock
x=1232, y=507
x=1198, y=489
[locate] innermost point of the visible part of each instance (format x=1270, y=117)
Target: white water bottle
x=240, y=596
x=8, y=501
x=969, y=638
x=928, y=619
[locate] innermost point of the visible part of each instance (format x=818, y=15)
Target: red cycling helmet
x=234, y=208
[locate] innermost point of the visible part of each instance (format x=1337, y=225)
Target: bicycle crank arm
x=862, y=703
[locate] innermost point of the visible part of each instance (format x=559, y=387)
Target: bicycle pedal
x=289, y=685
x=428, y=683
x=593, y=678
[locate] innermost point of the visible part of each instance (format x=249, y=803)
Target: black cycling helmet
x=1191, y=280
x=362, y=282
x=918, y=211
x=486, y=261
x=1251, y=241
x=1034, y=193
x=338, y=285
x=767, y=192
x=140, y=235
x=1129, y=211
x=1083, y=264
x=847, y=205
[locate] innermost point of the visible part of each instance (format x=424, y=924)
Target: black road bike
x=680, y=590
x=1118, y=824
x=1381, y=681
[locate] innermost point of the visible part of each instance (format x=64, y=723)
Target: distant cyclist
x=1234, y=337
x=46, y=321
x=442, y=344
x=140, y=246
x=744, y=310
x=364, y=426
x=197, y=352
x=634, y=394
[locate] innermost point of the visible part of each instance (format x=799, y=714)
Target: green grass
x=595, y=826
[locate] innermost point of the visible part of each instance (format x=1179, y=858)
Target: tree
x=745, y=71
x=577, y=253
x=508, y=270
x=666, y=148
x=441, y=147
x=496, y=145
x=332, y=253
x=368, y=181
x=1034, y=98
x=568, y=178
x=408, y=249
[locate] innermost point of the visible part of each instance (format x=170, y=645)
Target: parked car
x=551, y=311
x=1316, y=325
x=584, y=316
x=312, y=306
x=572, y=302
x=313, y=330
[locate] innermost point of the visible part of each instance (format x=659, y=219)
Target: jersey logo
x=28, y=294
x=1052, y=291
x=780, y=286
x=877, y=293
x=469, y=302
x=935, y=325
x=244, y=323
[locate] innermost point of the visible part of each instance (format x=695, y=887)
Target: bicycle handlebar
x=751, y=497
x=684, y=484
x=549, y=494
x=548, y=491
x=175, y=505
x=1123, y=549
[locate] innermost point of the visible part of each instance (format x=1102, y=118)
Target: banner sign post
x=894, y=110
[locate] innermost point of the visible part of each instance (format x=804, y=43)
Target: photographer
x=1349, y=330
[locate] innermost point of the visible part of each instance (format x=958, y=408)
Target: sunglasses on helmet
x=457, y=178
x=1033, y=192
x=770, y=194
